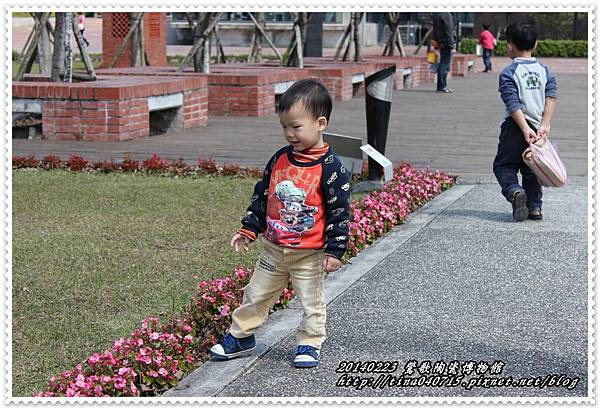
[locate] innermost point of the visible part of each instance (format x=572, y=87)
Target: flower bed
x=154, y=164
x=157, y=354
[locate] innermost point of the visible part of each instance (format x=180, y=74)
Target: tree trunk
x=296, y=47
x=260, y=26
x=43, y=51
x=85, y=56
x=58, y=56
x=350, y=41
x=220, y=52
x=135, y=38
x=399, y=43
x=202, y=30
x=340, y=44
x=425, y=39
x=392, y=22
x=206, y=55
x=29, y=52
x=68, y=48
x=354, y=42
x=357, y=21
x=198, y=38
x=299, y=48
x=137, y=41
x=256, y=51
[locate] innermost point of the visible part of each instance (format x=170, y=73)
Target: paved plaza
x=455, y=132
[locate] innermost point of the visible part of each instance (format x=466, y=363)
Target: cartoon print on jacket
x=295, y=217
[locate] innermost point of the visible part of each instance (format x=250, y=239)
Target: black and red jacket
x=301, y=204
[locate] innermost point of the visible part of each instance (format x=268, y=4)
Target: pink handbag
x=542, y=157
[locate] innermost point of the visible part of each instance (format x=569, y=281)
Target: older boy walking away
x=301, y=206
x=529, y=91
x=488, y=42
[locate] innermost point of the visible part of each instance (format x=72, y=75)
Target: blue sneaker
x=307, y=356
x=232, y=347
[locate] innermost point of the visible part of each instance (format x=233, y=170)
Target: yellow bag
x=432, y=57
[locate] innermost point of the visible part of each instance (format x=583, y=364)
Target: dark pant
x=509, y=161
x=443, y=68
x=487, y=59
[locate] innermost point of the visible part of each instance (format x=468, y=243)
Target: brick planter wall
x=460, y=64
x=233, y=89
x=112, y=108
x=418, y=64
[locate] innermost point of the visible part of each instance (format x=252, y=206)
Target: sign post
x=388, y=169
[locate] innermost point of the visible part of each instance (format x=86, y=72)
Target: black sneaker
x=536, y=215
x=519, y=205
x=232, y=347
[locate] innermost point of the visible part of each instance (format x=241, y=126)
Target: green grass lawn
x=77, y=66
x=93, y=254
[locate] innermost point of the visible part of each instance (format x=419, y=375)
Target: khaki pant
x=274, y=267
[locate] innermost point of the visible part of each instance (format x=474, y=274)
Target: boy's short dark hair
x=485, y=26
x=312, y=94
x=522, y=35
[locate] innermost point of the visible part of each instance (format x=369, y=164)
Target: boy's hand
x=529, y=135
x=239, y=240
x=331, y=263
x=543, y=131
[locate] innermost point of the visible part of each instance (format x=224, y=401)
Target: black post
x=378, y=104
x=314, y=36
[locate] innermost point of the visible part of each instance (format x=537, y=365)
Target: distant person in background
x=81, y=27
x=488, y=42
x=443, y=35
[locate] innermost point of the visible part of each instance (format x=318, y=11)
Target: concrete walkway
x=460, y=281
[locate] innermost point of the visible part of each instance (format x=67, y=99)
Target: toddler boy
x=301, y=206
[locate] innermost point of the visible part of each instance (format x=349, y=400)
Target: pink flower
x=94, y=359
x=80, y=381
x=187, y=328
x=120, y=384
x=163, y=372
x=154, y=374
x=154, y=336
x=188, y=338
x=224, y=310
x=241, y=273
